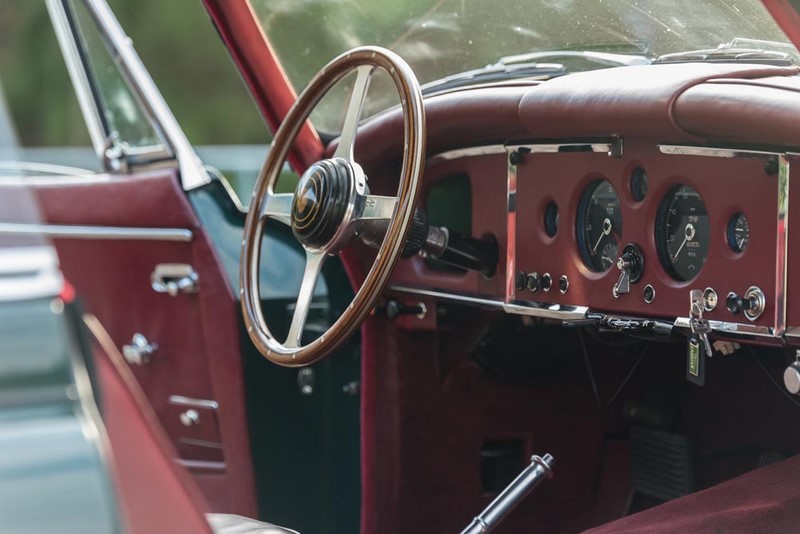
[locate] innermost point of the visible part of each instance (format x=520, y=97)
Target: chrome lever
x=140, y=351
x=174, y=278
x=539, y=469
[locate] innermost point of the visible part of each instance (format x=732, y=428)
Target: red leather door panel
x=198, y=354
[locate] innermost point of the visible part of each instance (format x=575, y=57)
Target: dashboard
x=619, y=192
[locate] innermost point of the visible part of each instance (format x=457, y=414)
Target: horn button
x=321, y=201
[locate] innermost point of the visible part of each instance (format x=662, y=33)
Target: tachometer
x=683, y=233
x=599, y=226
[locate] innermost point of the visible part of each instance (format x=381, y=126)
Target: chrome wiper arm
x=496, y=72
x=738, y=50
x=601, y=58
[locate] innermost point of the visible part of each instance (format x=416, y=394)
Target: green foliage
x=177, y=43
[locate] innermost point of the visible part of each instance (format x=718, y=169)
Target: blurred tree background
x=177, y=43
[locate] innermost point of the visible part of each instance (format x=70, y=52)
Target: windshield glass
x=439, y=38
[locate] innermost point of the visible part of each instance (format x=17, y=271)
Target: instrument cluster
x=636, y=235
x=682, y=230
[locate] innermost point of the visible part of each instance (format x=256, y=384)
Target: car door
x=130, y=244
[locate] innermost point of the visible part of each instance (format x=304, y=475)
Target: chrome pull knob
x=190, y=418
x=174, y=278
x=140, y=351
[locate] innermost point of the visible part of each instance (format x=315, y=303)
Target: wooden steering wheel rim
x=389, y=252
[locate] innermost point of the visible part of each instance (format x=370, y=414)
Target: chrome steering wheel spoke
x=278, y=206
x=353, y=116
x=377, y=208
x=314, y=261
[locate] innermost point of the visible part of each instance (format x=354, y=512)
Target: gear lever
x=512, y=495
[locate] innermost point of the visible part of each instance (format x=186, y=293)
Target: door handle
x=174, y=278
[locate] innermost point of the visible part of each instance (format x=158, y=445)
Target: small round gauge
x=638, y=184
x=738, y=232
x=683, y=233
x=551, y=219
x=599, y=226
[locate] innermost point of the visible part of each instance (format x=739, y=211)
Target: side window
x=121, y=113
x=125, y=124
x=42, y=131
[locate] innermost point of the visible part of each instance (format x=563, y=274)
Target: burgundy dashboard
x=618, y=191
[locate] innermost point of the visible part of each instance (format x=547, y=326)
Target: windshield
x=439, y=38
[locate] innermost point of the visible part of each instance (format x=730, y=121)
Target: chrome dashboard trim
x=792, y=332
x=613, y=147
x=782, y=245
x=469, y=152
x=566, y=312
x=744, y=329
x=69, y=231
x=713, y=152
x=452, y=297
x=511, y=225
x=518, y=307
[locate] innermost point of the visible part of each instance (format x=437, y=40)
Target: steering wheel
x=331, y=206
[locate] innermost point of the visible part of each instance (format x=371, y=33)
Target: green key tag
x=695, y=362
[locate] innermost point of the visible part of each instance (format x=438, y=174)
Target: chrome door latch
x=140, y=351
x=174, y=278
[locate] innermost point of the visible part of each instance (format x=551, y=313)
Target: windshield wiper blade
x=607, y=59
x=494, y=73
x=738, y=50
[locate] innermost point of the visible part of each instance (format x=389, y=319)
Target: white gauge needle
x=688, y=236
x=606, y=231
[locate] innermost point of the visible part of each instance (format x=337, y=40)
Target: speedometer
x=599, y=226
x=683, y=233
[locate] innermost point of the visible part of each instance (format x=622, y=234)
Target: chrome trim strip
x=689, y=150
x=517, y=307
x=746, y=329
x=97, y=232
x=614, y=148
x=443, y=295
x=180, y=400
x=77, y=73
x=792, y=332
x=782, y=245
x=511, y=226
x=193, y=174
x=561, y=312
x=484, y=150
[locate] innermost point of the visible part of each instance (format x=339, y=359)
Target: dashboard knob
x=791, y=378
x=734, y=303
x=547, y=282
x=520, y=280
x=534, y=282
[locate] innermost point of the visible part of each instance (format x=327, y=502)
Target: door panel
x=198, y=356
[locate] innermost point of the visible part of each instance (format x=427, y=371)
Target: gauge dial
x=599, y=226
x=683, y=233
x=738, y=232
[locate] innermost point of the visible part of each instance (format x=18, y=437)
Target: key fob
x=695, y=361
